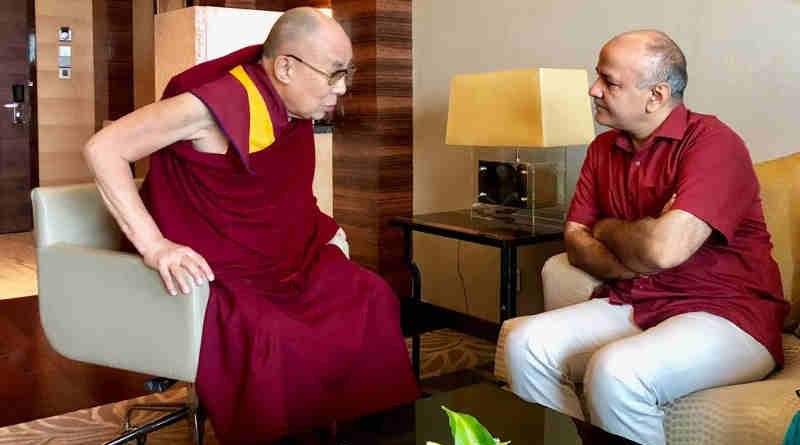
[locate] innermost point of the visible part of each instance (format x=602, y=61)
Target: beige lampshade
x=534, y=107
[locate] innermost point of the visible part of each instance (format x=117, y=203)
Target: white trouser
x=628, y=375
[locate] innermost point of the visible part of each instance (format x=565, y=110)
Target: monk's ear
x=283, y=68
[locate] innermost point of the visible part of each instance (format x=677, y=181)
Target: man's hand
x=589, y=254
x=668, y=206
x=177, y=263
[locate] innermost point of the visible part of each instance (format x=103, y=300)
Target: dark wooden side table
x=461, y=225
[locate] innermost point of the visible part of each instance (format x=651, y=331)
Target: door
x=18, y=155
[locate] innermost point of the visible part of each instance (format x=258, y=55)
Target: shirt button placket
x=633, y=179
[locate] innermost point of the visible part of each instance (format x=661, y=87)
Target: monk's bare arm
x=133, y=137
x=650, y=245
x=587, y=253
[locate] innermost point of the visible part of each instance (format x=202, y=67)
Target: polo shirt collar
x=673, y=127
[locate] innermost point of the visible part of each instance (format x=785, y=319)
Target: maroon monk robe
x=295, y=334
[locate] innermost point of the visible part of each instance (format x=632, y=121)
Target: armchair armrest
x=108, y=308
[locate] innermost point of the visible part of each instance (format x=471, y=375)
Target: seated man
x=667, y=215
x=295, y=334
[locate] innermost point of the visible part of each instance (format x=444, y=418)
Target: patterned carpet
x=445, y=356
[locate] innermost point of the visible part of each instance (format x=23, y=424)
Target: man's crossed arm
x=618, y=249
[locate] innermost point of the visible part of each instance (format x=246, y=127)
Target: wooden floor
x=17, y=265
x=36, y=382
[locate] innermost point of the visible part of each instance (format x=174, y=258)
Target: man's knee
x=613, y=378
x=516, y=347
x=528, y=342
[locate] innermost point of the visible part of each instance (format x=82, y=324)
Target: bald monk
x=295, y=334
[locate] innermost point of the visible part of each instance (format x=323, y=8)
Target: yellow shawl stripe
x=261, y=133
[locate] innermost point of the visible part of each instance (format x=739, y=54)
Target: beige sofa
x=753, y=413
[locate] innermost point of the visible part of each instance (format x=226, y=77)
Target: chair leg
x=197, y=418
x=141, y=432
x=161, y=407
x=192, y=411
x=198, y=422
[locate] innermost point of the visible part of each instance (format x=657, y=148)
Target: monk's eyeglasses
x=334, y=77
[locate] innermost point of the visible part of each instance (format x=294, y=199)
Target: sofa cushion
x=750, y=413
x=780, y=195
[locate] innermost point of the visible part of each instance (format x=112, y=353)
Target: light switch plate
x=64, y=56
x=64, y=34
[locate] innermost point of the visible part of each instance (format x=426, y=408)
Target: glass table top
x=504, y=415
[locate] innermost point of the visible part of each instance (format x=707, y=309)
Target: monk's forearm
x=115, y=181
x=635, y=243
x=587, y=253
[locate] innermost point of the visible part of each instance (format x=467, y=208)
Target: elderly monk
x=295, y=334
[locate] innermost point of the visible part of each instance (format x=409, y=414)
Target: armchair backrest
x=74, y=214
x=780, y=196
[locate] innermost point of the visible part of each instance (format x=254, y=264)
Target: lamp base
x=516, y=217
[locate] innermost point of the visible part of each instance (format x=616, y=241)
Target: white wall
x=743, y=62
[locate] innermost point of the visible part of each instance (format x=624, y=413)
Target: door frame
x=33, y=137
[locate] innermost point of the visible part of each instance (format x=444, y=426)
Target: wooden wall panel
x=120, y=58
x=372, y=141
x=221, y=3
x=66, y=107
x=100, y=61
x=113, y=59
x=171, y=5
x=176, y=49
x=244, y=4
x=143, y=69
x=264, y=5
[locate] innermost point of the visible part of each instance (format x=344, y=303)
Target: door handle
x=17, y=116
x=17, y=106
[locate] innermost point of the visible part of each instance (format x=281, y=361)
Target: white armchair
x=103, y=306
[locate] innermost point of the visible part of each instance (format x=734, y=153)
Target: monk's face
x=319, y=78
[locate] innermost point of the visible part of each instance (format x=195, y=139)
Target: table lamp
x=530, y=108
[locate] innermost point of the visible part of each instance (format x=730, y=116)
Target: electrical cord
x=461, y=277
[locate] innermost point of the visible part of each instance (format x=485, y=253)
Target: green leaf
x=467, y=430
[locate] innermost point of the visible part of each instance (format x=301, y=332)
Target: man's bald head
x=662, y=61
x=296, y=26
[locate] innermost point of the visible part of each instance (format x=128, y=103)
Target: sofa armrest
x=108, y=308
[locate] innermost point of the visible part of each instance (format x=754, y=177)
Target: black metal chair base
x=192, y=411
x=140, y=434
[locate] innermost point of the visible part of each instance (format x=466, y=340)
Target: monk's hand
x=177, y=264
x=340, y=240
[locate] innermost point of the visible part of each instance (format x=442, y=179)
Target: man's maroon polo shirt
x=708, y=167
